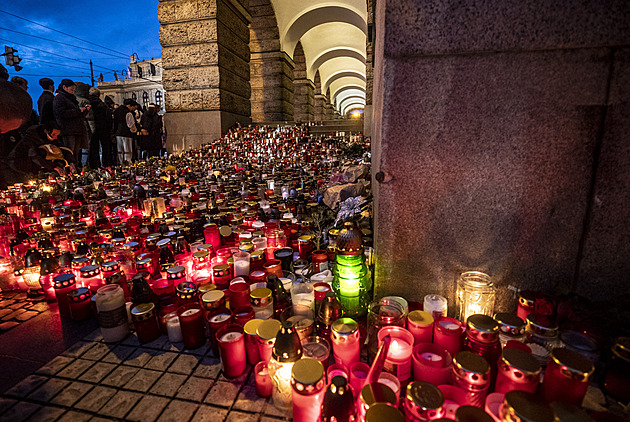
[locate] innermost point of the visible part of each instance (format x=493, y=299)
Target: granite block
x=76, y=368
x=148, y=409
x=222, y=394
x=71, y=394
x=143, y=380
x=78, y=349
x=209, y=414
x=6, y=403
x=97, y=372
x=47, y=414
x=168, y=384
x=178, y=411
x=184, y=364
x=48, y=390
x=20, y=412
x=73, y=416
x=119, y=354
x=161, y=361
x=235, y=416
x=26, y=386
x=195, y=389
x=95, y=399
x=98, y=351
x=55, y=365
x=120, y=404
x=208, y=368
x=120, y=376
x=249, y=401
x=140, y=357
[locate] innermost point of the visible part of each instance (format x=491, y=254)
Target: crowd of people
x=72, y=128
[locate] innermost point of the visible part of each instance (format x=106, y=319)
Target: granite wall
x=303, y=89
x=499, y=142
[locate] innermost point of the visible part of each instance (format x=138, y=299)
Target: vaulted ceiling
x=333, y=37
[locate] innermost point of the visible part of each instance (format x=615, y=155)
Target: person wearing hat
x=71, y=119
x=45, y=101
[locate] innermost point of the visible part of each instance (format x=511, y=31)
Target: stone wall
x=499, y=139
x=303, y=88
x=205, y=57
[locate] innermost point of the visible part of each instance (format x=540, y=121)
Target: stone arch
x=303, y=88
x=351, y=107
x=271, y=69
x=333, y=54
x=350, y=100
x=346, y=88
x=343, y=74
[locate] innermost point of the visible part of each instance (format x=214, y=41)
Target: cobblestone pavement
x=98, y=381
x=15, y=308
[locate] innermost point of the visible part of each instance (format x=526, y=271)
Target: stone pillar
x=328, y=109
x=501, y=151
x=369, y=71
x=303, y=88
x=205, y=57
x=318, y=108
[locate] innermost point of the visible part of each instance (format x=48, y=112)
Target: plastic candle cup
x=264, y=386
x=420, y=325
x=398, y=359
x=241, y=264
x=520, y=405
x=431, y=363
x=231, y=342
x=454, y=397
x=240, y=316
x=63, y=284
x=239, y=295
x=273, y=266
x=448, y=333
x=286, y=351
x=391, y=381
x=112, y=313
x=345, y=340
x=316, y=347
x=302, y=319
x=517, y=370
x=173, y=328
x=567, y=377
x=251, y=340
x=308, y=384
x=213, y=299
x=471, y=373
x=337, y=370
x=91, y=277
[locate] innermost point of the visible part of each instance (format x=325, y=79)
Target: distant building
x=142, y=81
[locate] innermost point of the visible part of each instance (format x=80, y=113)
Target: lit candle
x=448, y=333
x=264, y=386
x=358, y=375
x=232, y=350
x=192, y=325
x=303, y=294
x=307, y=380
x=398, y=359
x=345, y=341
x=431, y=363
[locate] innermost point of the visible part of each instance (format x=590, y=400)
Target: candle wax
x=218, y=318
x=231, y=336
x=190, y=312
x=315, y=350
x=431, y=357
x=449, y=325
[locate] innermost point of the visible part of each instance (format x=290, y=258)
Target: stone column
x=205, y=57
x=369, y=71
x=318, y=108
x=328, y=109
x=499, y=150
x=303, y=88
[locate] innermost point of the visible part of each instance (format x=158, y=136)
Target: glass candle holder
x=285, y=256
x=286, y=351
x=145, y=322
x=173, y=327
x=517, y=370
x=241, y=264
x=423, y=401
x=567, y=376
x=471, y=373
x=526, y=302
x=345, y=340
x=240, y=316
x=256, y=260
x=337, y=370
x=420, y=325
x=475, y=295
x=239, y=295
x=358, y=375
x=91, y=277
x=251, y=340
x=316, y=347
x=511, y=327
x=436, y=305
x=217, y=318
x=79, y=301
x=192, y=325
x=302, y=319
x=264, y=386
x=262, y=302
x=308, y=385
x=63, y=284
x=448, y=333
x=482, y=338
x=231, y=340
x=211, y=235
x=391, y=381
x=260, y=243
x=352, y=282
x=320, y=261
x=398, y=359
x=370, y=395
x=213, y=299
x=273, y=266
x=221, y=276
x=381, y=315
x=303, y=294
x=112, y=313
x=432, y=363
x=267, y=332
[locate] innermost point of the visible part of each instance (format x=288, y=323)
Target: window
x=158, y=99
x=134, y=96
x=145, y=99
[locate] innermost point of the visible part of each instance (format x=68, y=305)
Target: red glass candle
x=231, y=340
x=258, y=276
x=358, y=375
x=256, y=260
x=223, y=254
x=423, y=402
x=305, y=246
x=345, y=341
x=267, y=332
x=526, y=301
x=432, y=363
x=420, y=325
x=109, y=268
x=211, y=235
x=517, y=370
x=566, y=377
x=241, y=315
x=186, y=292
x=398, y=359
x=239, y=295
x=63, y=284
x=482, y=338
x=91, y=277
x=221, y=276
x=454, y=397
x=308, y=388
x=217, y=318
x=471, y=373
x=80, y=306
x=213, y=299
x=264, y=385
x=145, y=322
x=273, y=266
x=192, y=325
x=251, y=340
x=448, y=333
x=320, y=261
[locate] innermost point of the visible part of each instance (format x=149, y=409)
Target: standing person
x=101, y=138
x=151, y=139
x=45, y=101
x=82, y=93
x=71, y=119
x=15, y=109
x=34, y=120
x=125, y=128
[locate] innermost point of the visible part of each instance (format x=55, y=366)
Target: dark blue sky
x=124, y=26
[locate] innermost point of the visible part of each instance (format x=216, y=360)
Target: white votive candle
x=173, y=329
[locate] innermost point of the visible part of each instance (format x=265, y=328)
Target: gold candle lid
x=471, y=414
x=482, y=328
x=424, y=396
x=225, y=231
x=305, y=238
x=257, y=255
x=472, y=368
x=521, y=406
x=510, y=324
x=521, y=360
x=200, y=255
x=381, y=412
x=307, y=376
x=422, y=318
x=212, y=296
x=268, y=329
x=205, y=288
x=573, y=365
x=251, y=326
x=377, y=392
x=143, y=311
x=345, y=326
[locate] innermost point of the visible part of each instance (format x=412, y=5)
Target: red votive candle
x=448, y=333
x=221, y=276
x=186, y=292
x=345, y=341
x=63, y=284
x=398, y=359
x=432, y=363
x=145, y=321
x=358, y=375
x=264, y=385
x=192, y=325
x=273, y=266
x=217, y=318
x=267, y=332
x=308, y=388
x=80, y=306
x=517, y=370
x=231, y=340
x=251, y=340
x=566, y=377
x=420, y=325
x=239, y=295
x=241, y=315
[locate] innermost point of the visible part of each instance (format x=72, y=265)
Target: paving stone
x=148, y=409
x=20, y=296
x=6, y=303
x=222, y=394
x=161, y=361
x=101, y=419
x=94, y=336
x=272, y=410
x=119, y=354
x=239, y=380
x=16, y=305
x=143, y=380
x=119, y=405
x=71, y=394
x=77, y=349
x=40, y=307
x=208, y=368
x=249, y=401
x=6, y=403
x=6, y=326
x=120, y=376
x=168, y=384
x=48, y=390
x=97, y=372
x=95, y=399
x=173, y=347
x=20, y=412
x=97, y=351
x=47, y=414
x=178, y=411
x=72, y=416
x=271, y=419
x=75, y=369
x=209, y=414
x=140, y=357
x=27, y=385
x=25, y=316
x=184, y=364
x=55, y=365
x=158, y=343
x=235, y=416
x=201, y=351
x=195, y=389
x=131, y=340
x=4, y=312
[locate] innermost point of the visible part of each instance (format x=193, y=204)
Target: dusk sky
x=124, y=27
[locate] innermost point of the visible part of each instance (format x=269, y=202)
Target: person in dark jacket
x=71, y=118
x=151, y=139
x=125, y=127
x=101, y=138
x=45, y=101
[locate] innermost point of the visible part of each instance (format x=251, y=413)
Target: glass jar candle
x=63, y=284
x=352, y=282
x=231, y=342
x=398, y=358
x=436, y=305
x=112, y=313
x=286, y=351
x=308, y=385
x=420, y=325
x=145, y=321
x=213, y=299
x=521, y=406
x=258, y=276
x=316, y=347
x=475, y=295
x=511, y=327
x=542, y=335
x=372, y=394
x=262, y=302
x=305, y=246
x=302, y=319
x=448, y=333
x=221, y=276
x=79, y=300
x=273, y=266
x=239, y=295
x=192, y=325
x=176, y=274
x=567, y=376
x=303, y=294
x=482, y=338
x=320, y=261
x=173, y=327
x=423, y=402
x=431, y=363
x=266, y=332
x=381, y=315
x=256, y=261
x=241, y=315
x=211, y=235
x=285, y=256
x=241, y=264
x=471, y=373
x=517, y=370
x=526, y=302
x=217, y=319
x=345, y=340
x=186, y=292
x=264, y=386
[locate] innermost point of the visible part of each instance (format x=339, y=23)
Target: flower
x=544, y=306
